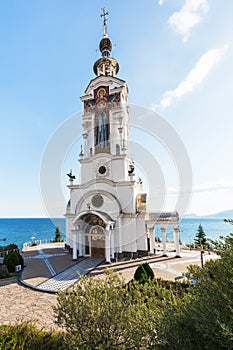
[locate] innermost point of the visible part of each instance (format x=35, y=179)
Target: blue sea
x=19, y=231
x=213, y=228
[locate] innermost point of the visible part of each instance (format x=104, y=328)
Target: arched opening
x=98, y=242
x=94, y=235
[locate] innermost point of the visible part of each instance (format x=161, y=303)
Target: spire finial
x=105, y=14
x=105, y=65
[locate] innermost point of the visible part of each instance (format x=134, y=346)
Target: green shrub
x=11, y=246
x=13, y=259
x=4, y=272
x=99, y=313
x=144, y=273
x=24, y=335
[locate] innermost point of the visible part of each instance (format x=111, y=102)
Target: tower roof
x=105, y=65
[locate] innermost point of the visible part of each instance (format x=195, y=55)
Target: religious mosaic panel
x=101, y=104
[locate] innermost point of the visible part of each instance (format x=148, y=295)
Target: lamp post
x=33, y=240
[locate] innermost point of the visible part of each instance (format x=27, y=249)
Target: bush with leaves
x=13, y=259
x=4, y=272
x=9, y=247
x=100, y=313
x=144, y=273
x=205, y=319
x=24, y=335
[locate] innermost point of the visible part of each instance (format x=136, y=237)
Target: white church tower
x=105, y=216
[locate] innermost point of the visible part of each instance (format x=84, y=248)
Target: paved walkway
x=67, y=278
x=167, y=268
x=17, y=301
x=51, y=268
x=42, y=255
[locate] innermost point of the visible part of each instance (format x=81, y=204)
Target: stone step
x=67, y=278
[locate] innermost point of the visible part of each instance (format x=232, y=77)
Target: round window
x=102, y=169
x=97, y=200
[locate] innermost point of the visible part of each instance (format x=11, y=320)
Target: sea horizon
x=21, y=230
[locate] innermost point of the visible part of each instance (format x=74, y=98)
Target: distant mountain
x=226, y=214
x=191, y=216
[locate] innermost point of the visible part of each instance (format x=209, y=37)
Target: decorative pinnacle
x=105, y=14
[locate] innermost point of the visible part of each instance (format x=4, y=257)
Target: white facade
x=102, y=217
x=106, y=214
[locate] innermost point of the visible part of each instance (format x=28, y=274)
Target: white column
x=107, y=247
x=152, y=239
x=177, y=240
x=80, y=246
x=112, y=250
x=134, y=237
x=75, y=246
x=164, y=243
x=120, y=236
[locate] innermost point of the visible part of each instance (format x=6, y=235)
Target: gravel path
x=18, y=302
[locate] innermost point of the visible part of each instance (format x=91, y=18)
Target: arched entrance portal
x=94, y=235
x=98, y=242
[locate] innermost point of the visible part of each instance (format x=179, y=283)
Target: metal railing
x=36, y=242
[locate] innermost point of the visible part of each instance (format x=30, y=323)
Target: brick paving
x=67, y=278
x=37, y=263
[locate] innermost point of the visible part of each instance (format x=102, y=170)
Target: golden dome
x=106, y=66
x=105, y=44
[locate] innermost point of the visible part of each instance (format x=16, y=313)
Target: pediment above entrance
x=90, y=215
x=101, y=201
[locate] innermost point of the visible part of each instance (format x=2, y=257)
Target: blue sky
x=176, y=56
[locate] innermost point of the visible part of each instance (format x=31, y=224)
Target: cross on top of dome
x=105, y=14
x=106, y=65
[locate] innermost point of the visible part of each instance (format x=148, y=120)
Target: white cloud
x=194, y=77
x=189, y=15
x=209, y=187
x=213, y=187
x=161, y=2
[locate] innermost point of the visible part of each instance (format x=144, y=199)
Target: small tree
x=200, y=236
x=144, y=273
x=13, y=259
x=58, y=236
